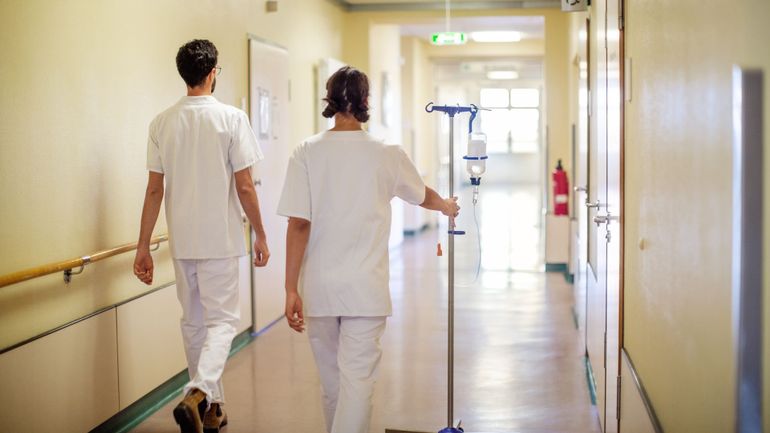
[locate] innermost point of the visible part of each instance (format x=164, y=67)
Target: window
x=494, y=98
x=525, y=98
x=513, y=124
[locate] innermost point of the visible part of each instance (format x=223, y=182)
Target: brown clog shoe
x=214, y=419
x=188, y=412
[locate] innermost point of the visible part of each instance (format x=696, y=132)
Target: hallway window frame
x=513, y=123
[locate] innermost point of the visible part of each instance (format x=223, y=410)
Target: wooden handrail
x=66, y=266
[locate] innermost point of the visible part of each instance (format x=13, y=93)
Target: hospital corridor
x=384, y=216
x=518, y=362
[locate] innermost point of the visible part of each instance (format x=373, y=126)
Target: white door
x=580, y=212
x=269, y=109
x=609, y=217
x=596, y=198
x=604, y=208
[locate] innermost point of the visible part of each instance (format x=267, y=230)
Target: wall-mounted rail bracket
x=68, y=273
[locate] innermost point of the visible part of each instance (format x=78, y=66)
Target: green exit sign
x=448, y=38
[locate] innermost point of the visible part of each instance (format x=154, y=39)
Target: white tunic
x=198, y=144
x=343, y=182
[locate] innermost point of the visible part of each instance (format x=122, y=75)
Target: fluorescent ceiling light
x=502, y=75
x=496, y=36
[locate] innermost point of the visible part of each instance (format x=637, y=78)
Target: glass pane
x=525, y=147
x=494, y=98
x=525, y=98
x=497, y=125
x=525, y=125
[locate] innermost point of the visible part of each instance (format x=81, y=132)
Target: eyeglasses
x=219, y=69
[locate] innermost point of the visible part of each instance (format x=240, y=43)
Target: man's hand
x=153, y=197
x=261, y=253
x=143, y=266
x=294, y=312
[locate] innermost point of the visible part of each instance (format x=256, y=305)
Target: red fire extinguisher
x=560, y=191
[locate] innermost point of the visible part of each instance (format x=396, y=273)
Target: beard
x=213, y=84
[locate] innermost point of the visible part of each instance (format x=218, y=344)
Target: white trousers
x=347, y=352
x=208, y=292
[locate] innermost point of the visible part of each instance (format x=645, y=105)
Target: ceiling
x=530, y=27
x=529, y=69
x=411, y=5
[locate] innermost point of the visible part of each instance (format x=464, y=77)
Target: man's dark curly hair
x=195, y=60
x=347, y=91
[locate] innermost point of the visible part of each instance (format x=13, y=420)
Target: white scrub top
x=198, y=144
x=343, y=182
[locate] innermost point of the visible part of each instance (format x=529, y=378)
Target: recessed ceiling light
x=496, y=36
x=502, y=75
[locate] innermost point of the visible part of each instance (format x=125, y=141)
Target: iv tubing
x=478, y=250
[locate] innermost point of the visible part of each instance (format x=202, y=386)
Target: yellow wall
x=557, y=94
x=81, y=82
x=678, y=200
x=385, y=61
x=756, y=55
x=417, y=91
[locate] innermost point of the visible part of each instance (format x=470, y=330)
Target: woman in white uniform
x=337, y=195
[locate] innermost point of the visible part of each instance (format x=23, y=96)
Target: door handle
x=590, y=205
x=580, y=189
x=604, y=219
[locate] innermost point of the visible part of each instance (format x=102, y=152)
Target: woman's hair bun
x=347, y=91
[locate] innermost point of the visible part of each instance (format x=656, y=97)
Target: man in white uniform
x=204, y=150
x=337, y=194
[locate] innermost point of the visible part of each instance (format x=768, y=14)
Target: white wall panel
x=633, y=414
x=150, y=349
x=66, y=382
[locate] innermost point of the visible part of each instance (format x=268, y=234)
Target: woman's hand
x=451, y=209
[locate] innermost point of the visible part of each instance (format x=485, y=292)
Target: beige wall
x=81, y=82
x=557, y=95
x=418, y=135
x=755, y=54
x=678, y=195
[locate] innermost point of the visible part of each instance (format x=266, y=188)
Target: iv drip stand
x=451, y=111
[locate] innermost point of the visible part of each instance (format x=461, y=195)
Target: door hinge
x=617, y=408
x=621, y=14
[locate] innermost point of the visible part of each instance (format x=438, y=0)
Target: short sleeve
x=409, y=184
x=244, y=148
x=154, y=162
x=295, y=198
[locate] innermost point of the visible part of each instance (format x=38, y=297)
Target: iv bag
x=477, y=155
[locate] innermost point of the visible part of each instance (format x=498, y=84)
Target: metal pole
x=451, y=307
